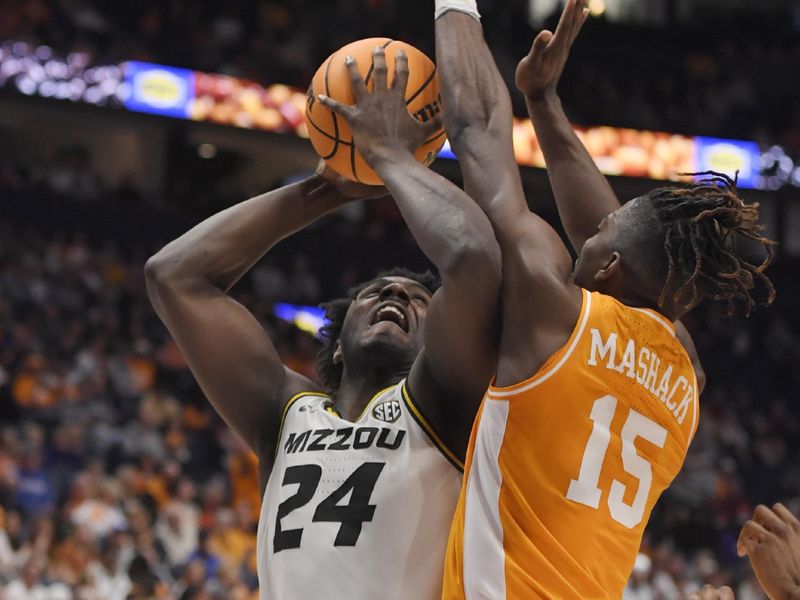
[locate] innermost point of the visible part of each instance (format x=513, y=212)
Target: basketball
x=330, y=134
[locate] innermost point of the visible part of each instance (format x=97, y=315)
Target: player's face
x=387, y=316
x=595, y=263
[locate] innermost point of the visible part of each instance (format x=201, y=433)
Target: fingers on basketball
x=329, y=131
x=400, y=82
x=356, y=82
x=380, y=70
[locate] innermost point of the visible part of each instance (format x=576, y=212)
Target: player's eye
x=421, y=299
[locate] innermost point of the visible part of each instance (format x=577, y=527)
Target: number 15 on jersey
x=585, y=490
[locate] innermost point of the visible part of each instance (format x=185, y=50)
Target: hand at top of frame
x=772, y=541
x=538, y=73
x=381, y=124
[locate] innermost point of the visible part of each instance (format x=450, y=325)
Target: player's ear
x=337, y=353
x=610, y=269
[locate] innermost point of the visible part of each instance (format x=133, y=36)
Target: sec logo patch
x=388, y=411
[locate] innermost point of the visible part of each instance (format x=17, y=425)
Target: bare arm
x=540, y=305
x=228, y=351
x=454, y=369
x=583, y=195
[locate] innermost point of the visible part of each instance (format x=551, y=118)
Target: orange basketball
x=329, y=132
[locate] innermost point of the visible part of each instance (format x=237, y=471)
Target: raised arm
x=583, y=194
x=228, y=351
x=540, y=305
x=453, y=371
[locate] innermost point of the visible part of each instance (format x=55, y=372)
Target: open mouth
x=393, y=314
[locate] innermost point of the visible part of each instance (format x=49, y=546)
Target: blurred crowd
x=714, y=75
x=118, y=481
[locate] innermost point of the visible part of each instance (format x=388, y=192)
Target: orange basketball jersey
x=563, y=469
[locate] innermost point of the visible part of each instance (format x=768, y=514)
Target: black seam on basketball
x=353, y=163
x=335, y=122
x=329, y=136
x=422, y=87
x=372, y=66
x=429, y=140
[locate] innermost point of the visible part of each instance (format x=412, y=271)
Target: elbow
x=159, y=275
x=155, y=270
x=154, y=278
x=476, y=256
x=477, y=115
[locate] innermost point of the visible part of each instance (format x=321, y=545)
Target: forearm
x=448, y=226
x=583, y=194
x=478, y=118
x=223, y=247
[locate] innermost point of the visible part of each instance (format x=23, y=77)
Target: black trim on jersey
x=285, y=412
x=422, y=421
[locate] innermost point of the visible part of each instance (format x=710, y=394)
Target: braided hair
x=329, y=373
x=702, y=226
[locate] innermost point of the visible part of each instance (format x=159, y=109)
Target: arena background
x=117, y=480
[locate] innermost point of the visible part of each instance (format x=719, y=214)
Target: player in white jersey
x=363, y=467
x=345, y=478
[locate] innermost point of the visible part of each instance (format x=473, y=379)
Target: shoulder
x=307, y=397
x=295, y=387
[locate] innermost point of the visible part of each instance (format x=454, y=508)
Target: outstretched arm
x=454, y=369
x=583, y=195
x=228, y=351
x=540, y=305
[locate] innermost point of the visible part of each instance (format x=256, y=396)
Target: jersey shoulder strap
x=320, y=396
x=422, y=421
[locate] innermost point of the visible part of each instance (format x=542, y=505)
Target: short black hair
x=329, y=374
x=705, y=230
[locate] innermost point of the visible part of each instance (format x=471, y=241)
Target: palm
x=535, y=74
x=541, y=69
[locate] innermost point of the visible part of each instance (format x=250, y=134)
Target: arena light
x=597, y=7
x=307, y=318
x=186, y=94
x=206, y=150
x=37, y=71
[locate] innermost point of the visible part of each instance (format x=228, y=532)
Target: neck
x=639, y=295
x=356, y=391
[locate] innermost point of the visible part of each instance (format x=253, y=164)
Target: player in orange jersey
x=596, y=400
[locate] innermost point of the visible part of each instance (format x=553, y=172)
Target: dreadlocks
x=702, y=226
x=329, y=373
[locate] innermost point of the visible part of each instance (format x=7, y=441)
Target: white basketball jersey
x=356, y=510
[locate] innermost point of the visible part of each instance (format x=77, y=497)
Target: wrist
x=547, y=98
x=469, y=7
x=381, y=157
